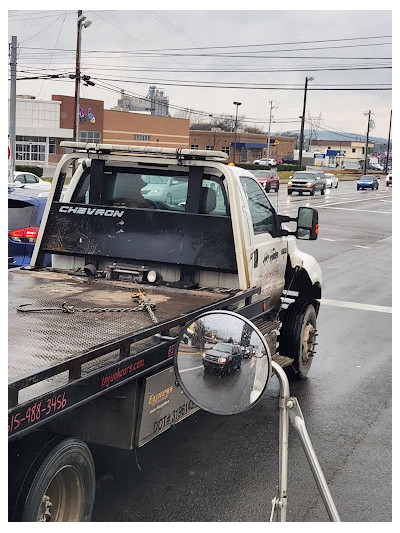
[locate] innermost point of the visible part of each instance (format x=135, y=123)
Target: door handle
x=255, y=258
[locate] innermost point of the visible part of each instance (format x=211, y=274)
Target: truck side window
x=261, y=212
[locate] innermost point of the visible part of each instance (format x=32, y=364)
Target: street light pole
x=237, y=104
x=302, y=121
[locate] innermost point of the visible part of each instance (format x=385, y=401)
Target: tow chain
x=145, y=304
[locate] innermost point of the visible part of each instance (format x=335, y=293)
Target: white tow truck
x=143, y=241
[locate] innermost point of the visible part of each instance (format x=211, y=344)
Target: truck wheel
x=289, y=192
x=297, y=338
x=312, y=192
x=267, y=187
x=277, y=188
x=323, y=191
x=60, y=484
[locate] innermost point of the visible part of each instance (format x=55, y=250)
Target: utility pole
x=271, y=107
x=77, y=77
x=237, y=104
x=302, y=121
x=388, y=144
x=366, y=142
x=82, y=21
x=13, y=107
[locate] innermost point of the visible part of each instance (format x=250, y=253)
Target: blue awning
x=249, y=145
x=332, y=152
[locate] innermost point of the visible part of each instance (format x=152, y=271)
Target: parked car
x=269, y=179
x=25, y=211
x=223, y=358
x=31, y=181
x=166, y=189
x=288, y=160
x=368, y=181
x=389, y=179
x=309, y=181
x=267, y=162
x=331, y=180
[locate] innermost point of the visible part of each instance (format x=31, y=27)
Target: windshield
x=221, y=347
x=367, y=178
x=156, y=180
x=306, y=176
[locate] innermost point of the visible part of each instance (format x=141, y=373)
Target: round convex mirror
x=222, y=362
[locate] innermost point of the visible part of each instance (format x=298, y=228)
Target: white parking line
x=359, y=246
x=355, y=305
x=353, y=201
x=330, y=240
x=359, y=210
x=190, y=369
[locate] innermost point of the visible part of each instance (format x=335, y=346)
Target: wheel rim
x=60, y=503
x=308, y=343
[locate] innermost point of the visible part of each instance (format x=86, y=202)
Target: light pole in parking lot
x=302, y=121
x=237, y=104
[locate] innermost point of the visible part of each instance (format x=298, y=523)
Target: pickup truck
x=92, y=337
x=309, y=181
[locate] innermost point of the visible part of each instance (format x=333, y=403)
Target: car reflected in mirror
x=222, y=362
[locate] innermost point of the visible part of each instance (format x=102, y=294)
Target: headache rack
x=180, y=154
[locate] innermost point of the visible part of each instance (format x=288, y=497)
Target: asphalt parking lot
x=225, y=468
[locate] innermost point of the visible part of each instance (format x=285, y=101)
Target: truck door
x=268, y=256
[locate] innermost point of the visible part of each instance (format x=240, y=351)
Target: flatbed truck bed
x=64, y=356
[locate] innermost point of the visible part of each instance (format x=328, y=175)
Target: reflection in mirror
x=305, y=217
x=222, y=362
x=303, y=234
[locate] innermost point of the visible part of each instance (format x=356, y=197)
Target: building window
x=225, y=149
x=194, y=146
x=89, y=136
x=209, y=147
x=52, y=145
x=353, y=150
x=141, y=137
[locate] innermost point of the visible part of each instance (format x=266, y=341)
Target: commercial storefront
x=249, y=146
x=41, y=126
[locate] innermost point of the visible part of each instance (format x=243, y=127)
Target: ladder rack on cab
x=180, y=154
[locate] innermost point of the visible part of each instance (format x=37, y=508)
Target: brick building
x=249, y=146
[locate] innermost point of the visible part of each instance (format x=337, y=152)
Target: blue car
x=368, y=182
x=25, y=211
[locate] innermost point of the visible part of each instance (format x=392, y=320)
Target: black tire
x=297, y=338
x=312, y=192
x=267, y=187
x=289, y=192
x=277, y=188
x=337, y=185
x=59, y=485
x=323, y=191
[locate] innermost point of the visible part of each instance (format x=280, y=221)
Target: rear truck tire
x=297, y=338
x=312, y=192
x=323, y=191
x=289, y=192
x=277, y=188
x=267, y=187
x=59, y=484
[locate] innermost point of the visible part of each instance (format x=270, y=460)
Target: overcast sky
x=275, y=51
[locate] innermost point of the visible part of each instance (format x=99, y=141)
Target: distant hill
x=332, y=136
